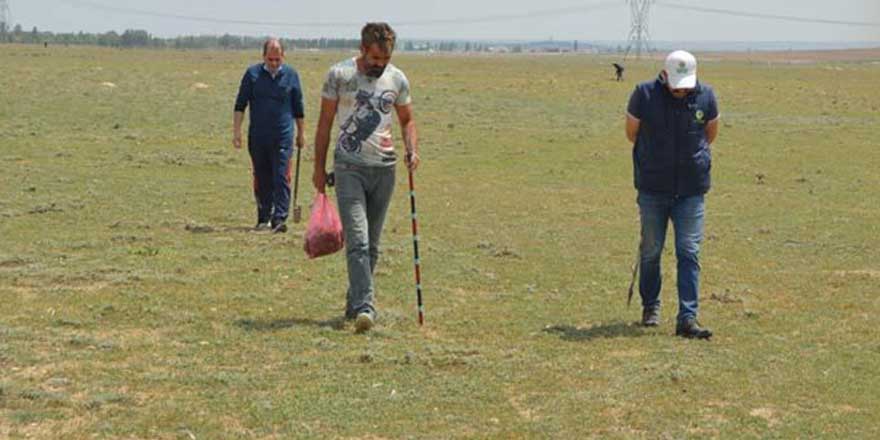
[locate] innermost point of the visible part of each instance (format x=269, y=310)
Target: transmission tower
x=638, y=34
x=5, y=20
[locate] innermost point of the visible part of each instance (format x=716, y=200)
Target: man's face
x=680, y=93
x=376, y=58
x=273, y=58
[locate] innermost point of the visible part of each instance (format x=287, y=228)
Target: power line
x=427, y=22
x=141, y=12
x=508, y=17
x=729, y=12
x=638, y=36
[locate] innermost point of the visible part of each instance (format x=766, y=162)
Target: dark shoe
x=651, y=316
x=262, y=226
x=689, y=328
x=279, y=227
x=350, y=315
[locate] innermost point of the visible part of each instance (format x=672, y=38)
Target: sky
x=585, y=20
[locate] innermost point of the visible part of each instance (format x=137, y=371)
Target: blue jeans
x=655, y=211
x=363, y=194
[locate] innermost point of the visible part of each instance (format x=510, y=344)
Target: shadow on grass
x=260, y=325
x=608, y=330
x=243, y=229
x=222, y=229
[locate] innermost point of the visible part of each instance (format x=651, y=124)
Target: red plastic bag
x=324, y=233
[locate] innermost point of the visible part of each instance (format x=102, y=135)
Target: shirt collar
x=277, y=74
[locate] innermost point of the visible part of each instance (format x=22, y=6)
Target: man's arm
x=410, y=135
x=713, y=116
x=635, y=113
x=300, y=133
x=241, y=102
x=632, y=127
x=298, y=108
x=322, y=142
x=712, y=130
x=237, y=117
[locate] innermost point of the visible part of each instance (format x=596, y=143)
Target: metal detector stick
x=297, y=210
x=415, y=231
x=635, y=271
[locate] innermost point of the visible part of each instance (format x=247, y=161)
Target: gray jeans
x=363, y=194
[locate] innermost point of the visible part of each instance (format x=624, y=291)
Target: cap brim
x=683, y=82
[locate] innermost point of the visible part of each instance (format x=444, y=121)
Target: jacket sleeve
x=244, y=92
x=296, y=99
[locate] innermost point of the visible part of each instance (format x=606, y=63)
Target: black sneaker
x=350, y=315
x=651, y=316
x=689, y=328
x=279, y=227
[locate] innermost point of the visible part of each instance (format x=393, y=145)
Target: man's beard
x=375, y=71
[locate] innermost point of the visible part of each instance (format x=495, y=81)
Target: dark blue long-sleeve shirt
x=275, y=103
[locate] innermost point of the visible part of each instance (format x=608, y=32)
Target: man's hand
x=237, y=118
x=319, y=179
x=300, y=141
x=412, y=160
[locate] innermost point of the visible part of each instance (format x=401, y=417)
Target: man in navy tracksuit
x=274, y=93
x=672, y=121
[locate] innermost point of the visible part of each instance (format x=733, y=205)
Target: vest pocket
x=693, y=172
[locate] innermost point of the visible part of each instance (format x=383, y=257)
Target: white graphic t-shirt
x=364, y=112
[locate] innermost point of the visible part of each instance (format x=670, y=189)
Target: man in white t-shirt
x=360, y=93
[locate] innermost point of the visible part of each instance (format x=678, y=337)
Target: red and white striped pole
x=415, y=231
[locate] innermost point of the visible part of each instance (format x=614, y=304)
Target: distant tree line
x=136, y=38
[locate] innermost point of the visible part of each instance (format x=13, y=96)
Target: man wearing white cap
x=672, y=121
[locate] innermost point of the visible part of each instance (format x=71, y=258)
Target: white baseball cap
x=681, y=70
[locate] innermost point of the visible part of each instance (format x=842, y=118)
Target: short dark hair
x=272, y=42
x=378, y=33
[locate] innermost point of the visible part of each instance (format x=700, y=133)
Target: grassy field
x=136, y=303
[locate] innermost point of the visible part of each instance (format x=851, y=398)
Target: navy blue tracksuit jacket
x=274, y=105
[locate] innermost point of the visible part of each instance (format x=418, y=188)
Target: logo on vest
x=699, y=116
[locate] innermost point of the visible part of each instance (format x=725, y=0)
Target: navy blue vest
x=671, y=154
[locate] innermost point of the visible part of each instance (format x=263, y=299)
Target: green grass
x=134, y=303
